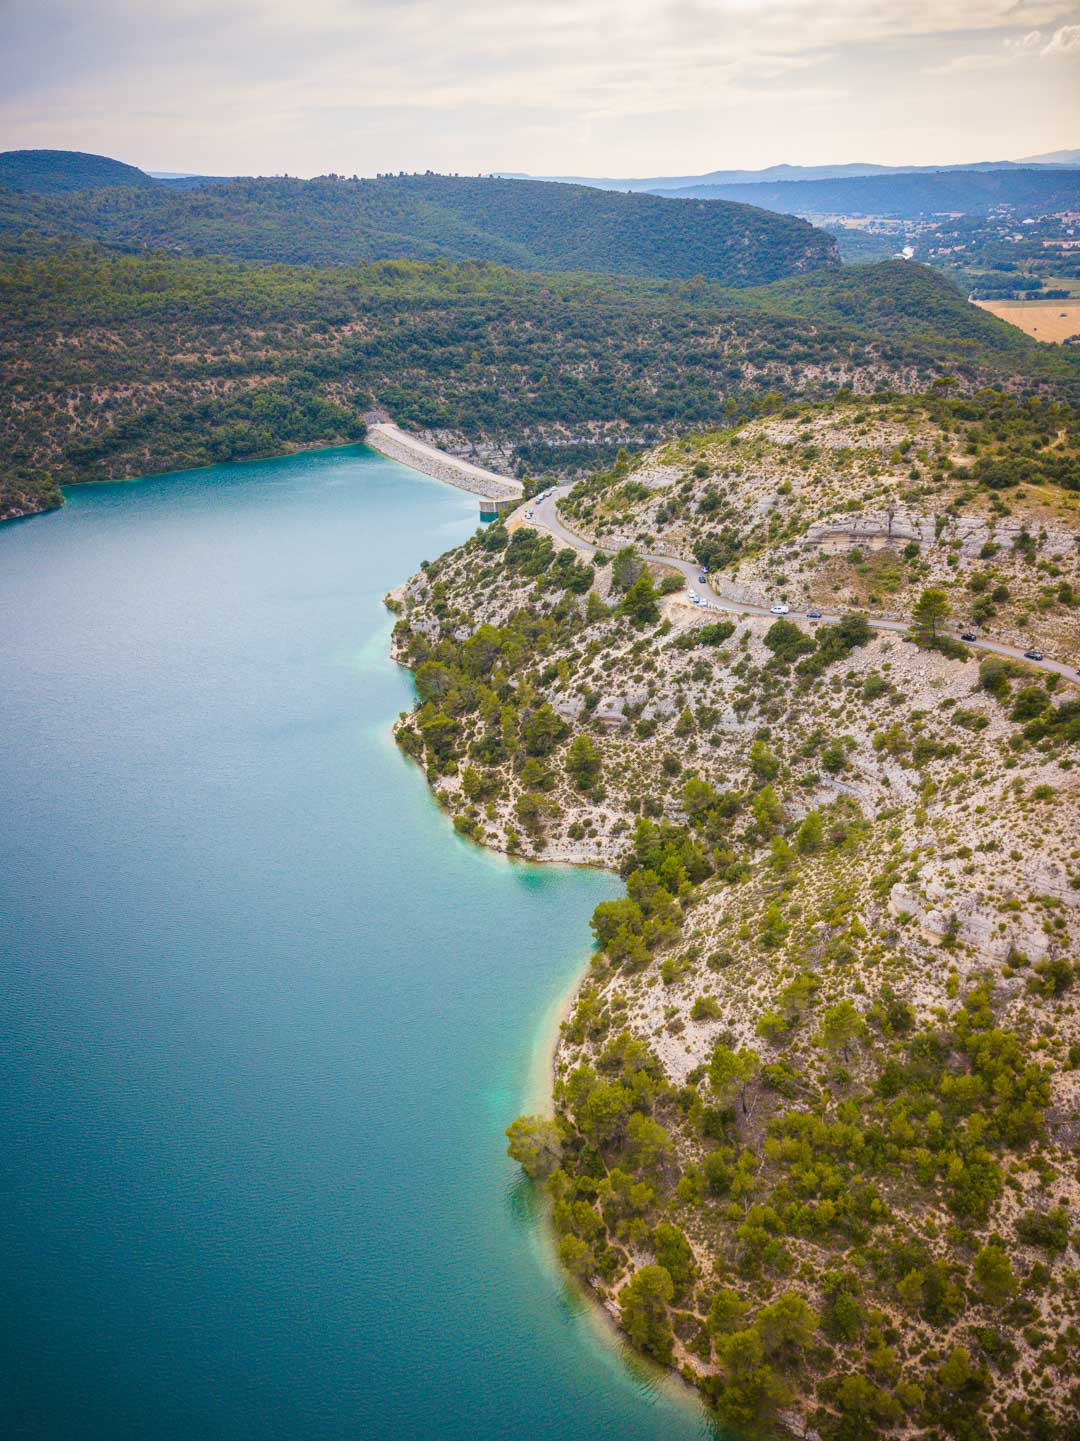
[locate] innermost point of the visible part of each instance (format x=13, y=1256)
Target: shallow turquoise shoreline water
x=263, y=1015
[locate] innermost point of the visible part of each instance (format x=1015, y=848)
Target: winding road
x=544, y=516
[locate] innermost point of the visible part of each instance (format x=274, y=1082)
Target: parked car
x=813, y=613
x=779, y=609
x=701, y=580
x=1033, y=655
x=968, y=635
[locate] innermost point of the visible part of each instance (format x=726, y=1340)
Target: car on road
x=1033, y=655
x=813, y=614
x=778, y=609
x=701, y=580
x=968, y=635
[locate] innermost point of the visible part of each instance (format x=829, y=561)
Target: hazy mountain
x=661, y=184
x=905, y=196
x=1055, y=157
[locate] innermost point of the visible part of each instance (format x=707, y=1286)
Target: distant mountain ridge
x=1055, y=157
x=48, y=171
x=908, y=195
x=528, y=225
x=794, y=173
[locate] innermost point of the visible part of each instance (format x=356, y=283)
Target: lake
x=264, y=1016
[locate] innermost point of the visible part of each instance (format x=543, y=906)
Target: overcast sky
x=587, y=87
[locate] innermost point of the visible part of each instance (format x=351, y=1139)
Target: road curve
x=544, y=516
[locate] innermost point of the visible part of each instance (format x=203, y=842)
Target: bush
x=1049, y=1230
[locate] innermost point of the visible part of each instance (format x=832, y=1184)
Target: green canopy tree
x=841, y=1026
x=810, y=837
x=747, y=1392
x=786, y=1327
x=626, y=568
x=639, y=603
x=931, y=611
x=994, y=1274
x=766, y=810
x=542, y=731
x=674, y=1253
x=732, y=1073
x=647, y=1140
x=583, y=763
x=643, y=1311
x=535, y=1142
x=577, y=1256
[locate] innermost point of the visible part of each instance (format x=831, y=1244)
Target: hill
x=525, y=224
x=815, y=1102
x=114, y=366
x=908, y=196
x=897, y=300
x=53, y=172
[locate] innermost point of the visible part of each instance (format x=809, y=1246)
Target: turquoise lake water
x=263, y=1015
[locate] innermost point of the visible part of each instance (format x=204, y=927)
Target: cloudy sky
x=588, y=87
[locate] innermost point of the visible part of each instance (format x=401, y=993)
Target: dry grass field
x=1050, y=320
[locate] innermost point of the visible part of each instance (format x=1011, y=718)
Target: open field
x=1049, y=320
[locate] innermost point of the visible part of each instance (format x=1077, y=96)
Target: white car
x=778, y=609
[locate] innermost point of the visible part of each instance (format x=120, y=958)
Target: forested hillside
x=113, y=366
x=895, y=300
x=526, y=224
x=51, y=172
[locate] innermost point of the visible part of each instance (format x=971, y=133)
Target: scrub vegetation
x=113, y=366
x=814, y=1142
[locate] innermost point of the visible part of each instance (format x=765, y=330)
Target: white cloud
x=960, y=64
x=611, y=85
x=1065, y=41
x=1031, y=41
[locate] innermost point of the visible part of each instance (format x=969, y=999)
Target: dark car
x=813, y=614
x=701, y=580
x=1033, y=655
x=968, y=635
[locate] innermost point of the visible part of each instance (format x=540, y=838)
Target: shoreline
x=539, y=1098
x=187, y=470
x=383, y=437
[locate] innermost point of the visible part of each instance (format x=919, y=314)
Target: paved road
x=545, y=517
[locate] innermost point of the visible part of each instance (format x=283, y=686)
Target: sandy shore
x=389, y=440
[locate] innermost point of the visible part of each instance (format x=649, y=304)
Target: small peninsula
x=815, y=1132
